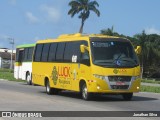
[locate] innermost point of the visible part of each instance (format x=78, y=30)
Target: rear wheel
x=127, y=96
x=85, y=94
x=28, y=78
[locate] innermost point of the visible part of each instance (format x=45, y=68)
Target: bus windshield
x=117, y=53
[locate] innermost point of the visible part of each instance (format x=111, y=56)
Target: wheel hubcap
x=28, y=78
x=48, y=88
x=85, y=92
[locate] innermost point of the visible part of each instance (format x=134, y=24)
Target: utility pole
x=12, y=44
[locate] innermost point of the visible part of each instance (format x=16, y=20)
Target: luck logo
x=54, y=75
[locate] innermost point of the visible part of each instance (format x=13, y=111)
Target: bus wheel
x=49, y=90
x=85, y=94
x=127, y=96
x=28, y=78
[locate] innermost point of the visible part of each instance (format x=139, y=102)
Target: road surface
x=16, y=96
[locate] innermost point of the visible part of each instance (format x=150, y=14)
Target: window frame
x=35, y=53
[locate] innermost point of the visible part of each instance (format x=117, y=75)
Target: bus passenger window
x=52, y=52
x=60, y=52
x=38, y=52
x=45, y=52
x=71, y=51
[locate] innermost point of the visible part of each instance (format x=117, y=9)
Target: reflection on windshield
x=113, y=54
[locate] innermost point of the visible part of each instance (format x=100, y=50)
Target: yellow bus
x=87, y=64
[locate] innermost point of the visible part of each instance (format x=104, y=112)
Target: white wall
x=10, y=51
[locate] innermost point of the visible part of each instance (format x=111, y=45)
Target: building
x=5, y=58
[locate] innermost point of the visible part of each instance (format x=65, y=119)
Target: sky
x=27, y=21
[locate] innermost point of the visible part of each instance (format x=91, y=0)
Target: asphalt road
x=15, y=96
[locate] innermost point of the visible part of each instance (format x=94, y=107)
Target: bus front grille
x=119, y=78
x=119, y=82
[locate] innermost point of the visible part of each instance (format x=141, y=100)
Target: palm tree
x=109, y=31
x=83, y=7
x=143, y=38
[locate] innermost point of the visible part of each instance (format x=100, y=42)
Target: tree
x=109, y=31
x=83, y=7
x=142, y=37
x=150, y=54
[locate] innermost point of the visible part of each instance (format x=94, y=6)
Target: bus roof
x=77, y=36
x=25, y=45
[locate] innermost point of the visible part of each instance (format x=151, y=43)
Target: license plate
x=120, y=83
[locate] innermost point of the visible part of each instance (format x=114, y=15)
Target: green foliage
x=150, y=89
x=150, y=81
x=150, y=56
x=83, y=7
x=6, y=70
x=8, y=74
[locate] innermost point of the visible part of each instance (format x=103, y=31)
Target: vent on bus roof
x=81, y=35
x=70, y=35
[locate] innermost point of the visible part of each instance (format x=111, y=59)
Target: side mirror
x=138, y=50
x=83, y=48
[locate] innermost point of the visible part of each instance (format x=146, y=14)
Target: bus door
x=19, y=63
x=75, y=68
x=74, y=55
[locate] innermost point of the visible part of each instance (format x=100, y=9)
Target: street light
x=12, y=43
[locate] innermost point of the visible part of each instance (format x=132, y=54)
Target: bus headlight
x=102, y=77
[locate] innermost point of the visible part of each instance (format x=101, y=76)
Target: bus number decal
x=74, y=58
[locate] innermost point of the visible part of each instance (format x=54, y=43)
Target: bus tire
x=28, y=78
x=85, y=94
x=127, y=96
x=49, y=90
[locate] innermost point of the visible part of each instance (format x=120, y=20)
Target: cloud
x=31, y=18
x=152, y=30
x=53, y=14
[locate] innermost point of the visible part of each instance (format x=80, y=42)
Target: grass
x=150, y=81
x=8, y=74
x=153, y=89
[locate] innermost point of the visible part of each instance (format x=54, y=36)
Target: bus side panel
x=20, y=72
x=60, y=76
x=65, y=76
x=84, y=74
x=69, y=75
x=26, y=67
x=37, y=73
x=75, y=76
x=16, y=70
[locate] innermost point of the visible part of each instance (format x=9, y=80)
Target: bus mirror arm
x=83, y=48
x=138, y=50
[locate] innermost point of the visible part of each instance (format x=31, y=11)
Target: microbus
x=87, y=64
